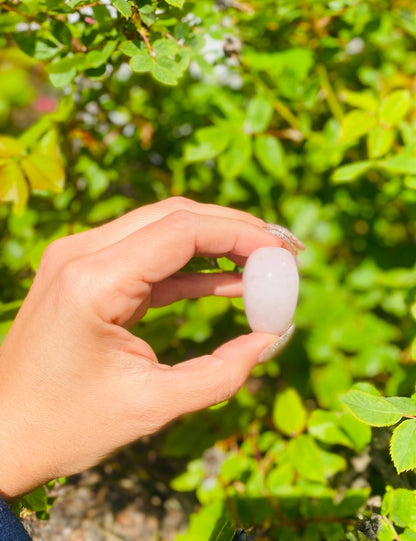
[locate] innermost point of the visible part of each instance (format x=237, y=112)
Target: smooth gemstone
x=270, y=289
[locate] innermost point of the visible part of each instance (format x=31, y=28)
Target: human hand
x=75, y=384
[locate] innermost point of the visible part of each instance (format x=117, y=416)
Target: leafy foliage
x=299, y=112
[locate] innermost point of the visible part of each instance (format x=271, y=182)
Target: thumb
x=211, y=379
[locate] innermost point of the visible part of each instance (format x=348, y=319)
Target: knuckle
x=72, y=280
x=181, y=220
x=179, y=202
x=54, y=253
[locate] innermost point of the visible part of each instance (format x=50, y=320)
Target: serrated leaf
x=165, y=47
x=259, y=115
x=370, y=409
x=10, y=147
x=356, y=124
x=233, y=160
x=348, y=173
x=123, y=7
x=176, y=3
x=403, y=446
x=395, y=107
x=289, y=415
x=406, y=406
x=164, y=75
x=141, y=62
x=403, y=508
x=269, y=152
x=130, y=48
x=379, y=141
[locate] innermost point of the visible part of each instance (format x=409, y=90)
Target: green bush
x=300, y=112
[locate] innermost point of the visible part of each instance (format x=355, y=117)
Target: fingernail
x=287, y=236
x=272, y=350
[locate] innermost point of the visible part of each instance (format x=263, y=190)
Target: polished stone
x=270, y=289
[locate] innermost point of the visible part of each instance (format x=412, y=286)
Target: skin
x=75, y=384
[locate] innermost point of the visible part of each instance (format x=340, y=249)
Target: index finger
x=161, y=248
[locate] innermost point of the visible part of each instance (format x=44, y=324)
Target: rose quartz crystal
x=270, y=289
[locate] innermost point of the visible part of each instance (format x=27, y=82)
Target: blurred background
x=300, y=112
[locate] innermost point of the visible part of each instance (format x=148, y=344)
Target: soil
x=127, y=498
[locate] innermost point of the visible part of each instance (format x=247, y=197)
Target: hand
x=75, y=384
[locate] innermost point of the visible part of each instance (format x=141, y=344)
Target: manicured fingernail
x=286, y=235
x=272, y=350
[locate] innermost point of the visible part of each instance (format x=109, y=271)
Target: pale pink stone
x=270, y=289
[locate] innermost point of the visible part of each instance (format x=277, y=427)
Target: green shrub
x=299, y=112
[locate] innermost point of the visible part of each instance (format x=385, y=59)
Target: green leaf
x=348, y=173
x=13, y=186
x=289, y=415
x=305, y=457
x=66, y=64
x=401, y=163
x=403, y=446
x=123, y=7
x=234, y=159
x=164, y=75
x=356, y=124
x=259, y=115
x=36, y=46
x=10, y=147
x=323, y=425
x=61, y=32
x=130, y=48
x=362, y=100
x=176, y=3
x=165, y=47
x=36, y=500
x=210, y=142
x=379, y=141
x=269, y=151
x=224, y=531
x=395, y=107
x=96, y=58
x=406, y=406
x=141, y=62
x=60, y=80
x=402, y=507
x=407, y=535
x=370, y=409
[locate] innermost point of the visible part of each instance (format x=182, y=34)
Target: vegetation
x=300, y=112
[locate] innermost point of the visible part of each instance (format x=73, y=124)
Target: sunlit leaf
x=13, y=186
x=370, y=409
x=356, y=124
x=10, y=147
x=123, y=7
x=402, y=446
x=289, y=415
x=395, y=107
x=269, y=151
